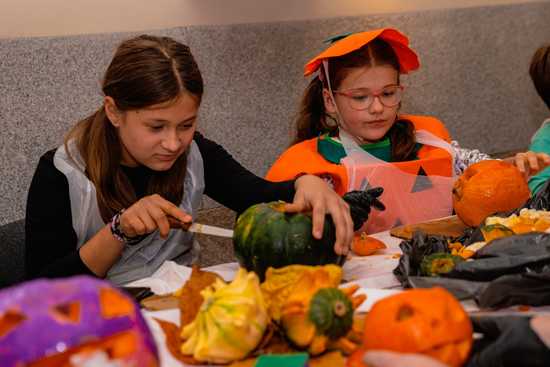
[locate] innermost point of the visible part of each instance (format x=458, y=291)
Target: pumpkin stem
x=340, y=308
x=279, y=206
x=442, y=265
x=330, y=310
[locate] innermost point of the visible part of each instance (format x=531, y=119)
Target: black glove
x=360, y=203
x=508, y=341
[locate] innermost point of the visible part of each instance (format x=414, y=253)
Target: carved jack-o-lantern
x=68, y=321
x=425, y=321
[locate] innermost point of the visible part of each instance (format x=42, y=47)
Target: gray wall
x=473, y=76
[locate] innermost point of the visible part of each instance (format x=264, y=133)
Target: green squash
x=331, y=311
x=265, y=236
x=439, y=263
x=493, y=231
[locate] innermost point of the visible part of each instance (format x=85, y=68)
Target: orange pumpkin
x=425, y=321
x=488, y=187
x=364, y=245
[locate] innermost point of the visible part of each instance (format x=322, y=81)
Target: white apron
x=409, y=198
x=140, y=260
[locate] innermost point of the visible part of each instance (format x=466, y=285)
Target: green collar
x=333, y=151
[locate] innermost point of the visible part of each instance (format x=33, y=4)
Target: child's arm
x=529, y=163
x=540, y=142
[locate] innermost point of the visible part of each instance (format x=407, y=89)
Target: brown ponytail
x=403, y=132
x=312, y=119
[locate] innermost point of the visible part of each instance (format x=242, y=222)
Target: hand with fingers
x=530, y=163
x=315, y=195
x=149, y=214
x=512, y=341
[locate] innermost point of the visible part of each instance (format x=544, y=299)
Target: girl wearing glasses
x=350, y=132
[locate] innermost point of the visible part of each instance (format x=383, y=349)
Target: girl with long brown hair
x=350, y=131
x=101, y=203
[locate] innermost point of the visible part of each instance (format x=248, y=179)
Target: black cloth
x=510, y=271
x=530, y=288
x=508, y=341
x=12, y=253
x=51, y=240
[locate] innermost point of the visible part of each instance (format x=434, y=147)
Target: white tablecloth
x=374, y=271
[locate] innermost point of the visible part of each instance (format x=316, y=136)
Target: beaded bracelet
x=120, y=235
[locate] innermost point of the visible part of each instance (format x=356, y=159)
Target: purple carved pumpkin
x=71, y=321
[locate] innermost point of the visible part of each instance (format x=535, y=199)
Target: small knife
x=210, y=230
x=201, y=228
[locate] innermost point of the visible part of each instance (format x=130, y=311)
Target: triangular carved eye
x=67, y=312
x=398, y=223
x=9, y=321
x=114, y=304
x=422, y=181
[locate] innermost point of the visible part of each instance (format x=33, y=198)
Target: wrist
x=298, y=178
x=118, y=233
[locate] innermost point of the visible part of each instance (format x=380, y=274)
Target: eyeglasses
x=361, y=99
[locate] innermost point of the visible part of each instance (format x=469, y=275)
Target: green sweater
x=540, y=143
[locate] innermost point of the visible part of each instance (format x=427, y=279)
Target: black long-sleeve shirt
x=51, y=240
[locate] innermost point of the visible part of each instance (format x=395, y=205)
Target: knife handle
x=177, y=224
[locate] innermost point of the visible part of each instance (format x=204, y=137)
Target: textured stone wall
x=473, y=77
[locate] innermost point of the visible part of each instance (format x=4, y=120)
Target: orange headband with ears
x=407, y=58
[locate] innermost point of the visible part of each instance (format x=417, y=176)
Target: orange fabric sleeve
x=304, y=158
x=435, y=161
x=430, y=124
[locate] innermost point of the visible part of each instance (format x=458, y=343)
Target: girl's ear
x=111, y=110
x=329, y=103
